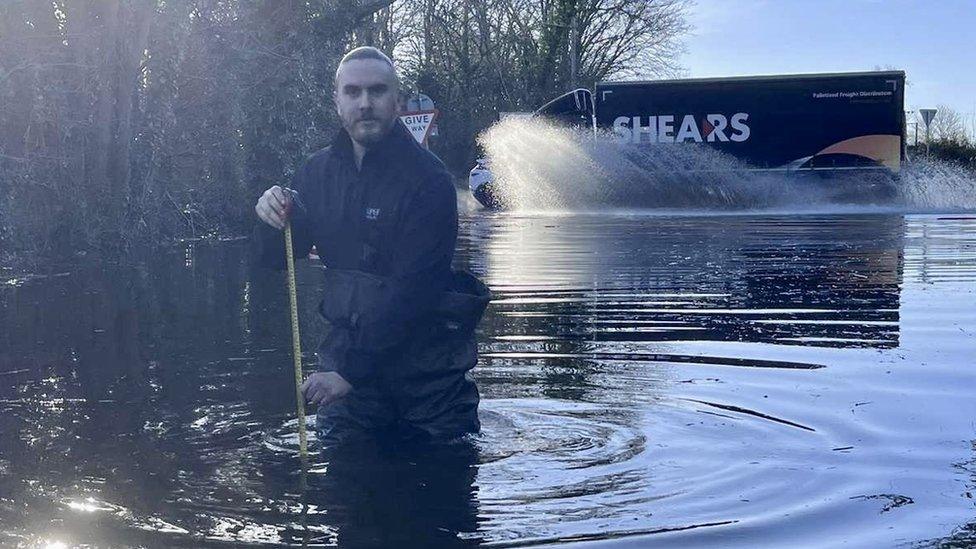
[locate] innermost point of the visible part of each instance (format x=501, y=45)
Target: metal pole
x=927, y=141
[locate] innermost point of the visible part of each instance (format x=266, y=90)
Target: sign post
x=927, y=116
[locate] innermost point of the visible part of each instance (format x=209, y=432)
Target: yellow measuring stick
x=296, y=342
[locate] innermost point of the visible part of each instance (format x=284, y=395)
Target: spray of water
x=542, y=166
x=937, y=186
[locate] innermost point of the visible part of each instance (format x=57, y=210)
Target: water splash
x=931, y=185
x=542, y=166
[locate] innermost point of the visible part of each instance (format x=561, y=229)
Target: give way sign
x=419, y=123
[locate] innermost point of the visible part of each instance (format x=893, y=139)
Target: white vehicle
x=480, y=182
x=574, y=108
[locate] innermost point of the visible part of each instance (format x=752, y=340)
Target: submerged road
x=738, y=380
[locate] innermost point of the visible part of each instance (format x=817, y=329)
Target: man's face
x=367, y=99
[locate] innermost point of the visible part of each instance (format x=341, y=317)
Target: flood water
x=738, y=380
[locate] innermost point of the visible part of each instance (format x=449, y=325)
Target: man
x=382, y=212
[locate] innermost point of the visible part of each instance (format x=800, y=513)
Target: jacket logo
x=372, y=213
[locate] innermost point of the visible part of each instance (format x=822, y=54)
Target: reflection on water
x=773, y=280
x=648, y=379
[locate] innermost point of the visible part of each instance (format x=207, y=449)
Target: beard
x=368, y=130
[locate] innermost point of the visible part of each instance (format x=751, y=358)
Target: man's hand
x=273, y=207
x=324, y=388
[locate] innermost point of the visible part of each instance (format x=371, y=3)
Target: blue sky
x=934, y=42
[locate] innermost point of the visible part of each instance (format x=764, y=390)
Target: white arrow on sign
x=419, y=123
x=927, y=115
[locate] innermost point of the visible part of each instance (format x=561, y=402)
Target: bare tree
x=479, y=57
x=947, y=125
x=630, y=37
x=115, y=109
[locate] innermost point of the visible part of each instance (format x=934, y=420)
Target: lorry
x=801, y=124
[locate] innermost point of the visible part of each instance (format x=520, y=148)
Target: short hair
x=365, y=52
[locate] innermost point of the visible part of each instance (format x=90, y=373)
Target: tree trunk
x=132, y=45
x=574, y=35
x=428, y=30
x=103, y=121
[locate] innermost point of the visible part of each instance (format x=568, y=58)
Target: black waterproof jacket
x=386, y=234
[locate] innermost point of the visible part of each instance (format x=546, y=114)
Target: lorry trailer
x=828, y=123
